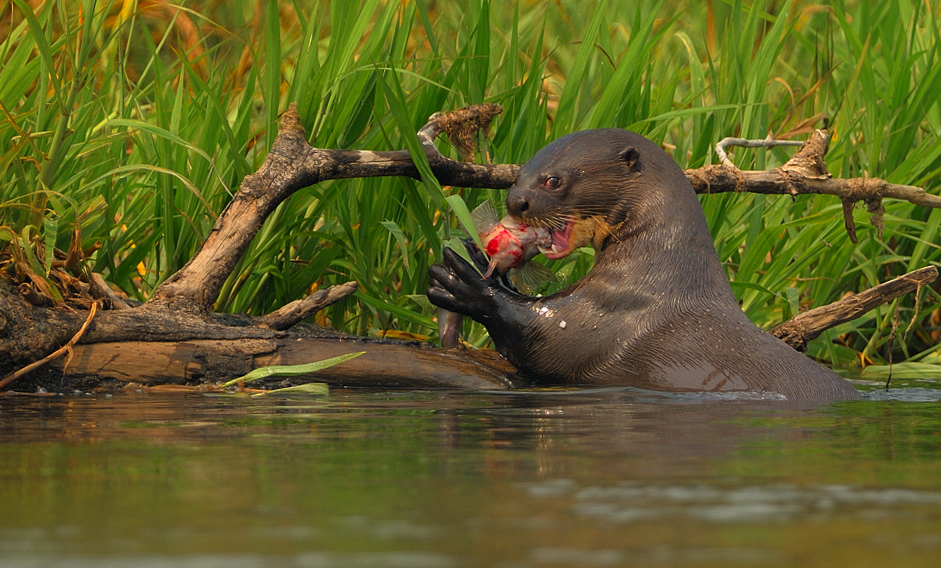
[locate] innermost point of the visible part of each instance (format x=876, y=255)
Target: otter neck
x=665, y=245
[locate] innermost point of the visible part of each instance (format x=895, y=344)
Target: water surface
x=414, y=479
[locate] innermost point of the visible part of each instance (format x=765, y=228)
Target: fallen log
x=384, y=364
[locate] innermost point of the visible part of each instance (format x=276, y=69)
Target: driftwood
x=801, y=329
x=293, y=164
x=175, y=337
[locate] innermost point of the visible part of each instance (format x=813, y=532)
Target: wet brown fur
x=656, y=310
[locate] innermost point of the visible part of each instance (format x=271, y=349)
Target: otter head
x=580, y=188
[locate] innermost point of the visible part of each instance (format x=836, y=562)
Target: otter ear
x=631, y=158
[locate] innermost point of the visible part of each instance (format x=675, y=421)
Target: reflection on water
x=543, y=478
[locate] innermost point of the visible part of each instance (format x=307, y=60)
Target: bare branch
x=100, y=290
x=293, y=164
x=768, y=142
x=799, y=330
x=806, y=173
x=291, y=314
x=719, y=179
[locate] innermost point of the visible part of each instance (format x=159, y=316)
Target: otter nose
x=517, y=202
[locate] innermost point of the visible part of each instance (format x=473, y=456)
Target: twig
x=100, y=290
x=291, y=314
x=55, y=354
x=799, y=330
x=768, y=142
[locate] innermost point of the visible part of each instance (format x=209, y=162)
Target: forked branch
x=293, y=164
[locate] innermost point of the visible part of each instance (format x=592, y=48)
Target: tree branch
x=293, y=164
x=801, y=329
x=768, y=142
x=290, y=315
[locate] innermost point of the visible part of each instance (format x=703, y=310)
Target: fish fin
x=490, y=269
x=530, y=275
x=485, y=216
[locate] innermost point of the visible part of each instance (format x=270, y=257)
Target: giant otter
x=656, y=311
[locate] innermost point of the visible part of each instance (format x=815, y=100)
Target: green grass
x=137, y=125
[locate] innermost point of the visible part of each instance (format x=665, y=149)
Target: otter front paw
x=456, y=286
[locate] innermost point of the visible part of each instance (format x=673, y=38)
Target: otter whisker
x=591, y=211
x=552, y=221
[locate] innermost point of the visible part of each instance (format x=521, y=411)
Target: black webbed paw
x=456, y=286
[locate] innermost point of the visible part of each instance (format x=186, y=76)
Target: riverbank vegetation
x=127, y=127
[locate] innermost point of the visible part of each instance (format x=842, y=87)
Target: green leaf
x=308, y=389
x=399, y=238
x=400, y=312
x=50, y=230
x=457, y=245
x=902, y=371
x=464, y=217
x=292, y=370
x=272, y=73
x=45, y=48
x=565, y=115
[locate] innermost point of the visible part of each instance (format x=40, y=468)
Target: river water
x=429, y=479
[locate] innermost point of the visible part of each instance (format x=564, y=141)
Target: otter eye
x=553, y=182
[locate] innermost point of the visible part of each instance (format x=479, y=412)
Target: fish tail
x=449, y=328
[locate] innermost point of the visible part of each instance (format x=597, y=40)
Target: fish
x=511, y=245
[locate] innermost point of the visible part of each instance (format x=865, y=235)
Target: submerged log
x=176, y=338
x=384, y=364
